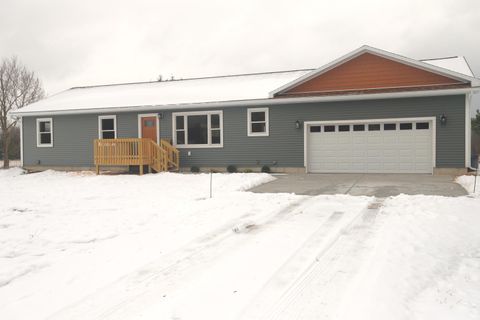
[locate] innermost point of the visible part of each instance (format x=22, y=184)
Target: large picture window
x=107, y=127
x=45, y=132
x=257, y=120
x=197, y=129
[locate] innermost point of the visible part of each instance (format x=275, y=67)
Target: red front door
x=149, y=128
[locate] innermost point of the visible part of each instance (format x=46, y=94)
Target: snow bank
x=12, y=172
x=467, y=183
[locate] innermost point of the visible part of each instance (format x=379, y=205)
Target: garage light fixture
x=298, y=124
x=443, y=119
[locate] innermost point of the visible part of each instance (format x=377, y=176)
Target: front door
x=149, y=127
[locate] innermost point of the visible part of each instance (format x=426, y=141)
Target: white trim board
x=139, y=123
x=255, y=102
x=21, y=141
x=468, y=131
x=433, y=121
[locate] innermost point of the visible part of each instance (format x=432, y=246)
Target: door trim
x=307, y=124
x=139, y=123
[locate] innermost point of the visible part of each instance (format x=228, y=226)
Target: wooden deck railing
x=136, y=152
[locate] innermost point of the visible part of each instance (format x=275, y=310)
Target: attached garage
x=371, y=146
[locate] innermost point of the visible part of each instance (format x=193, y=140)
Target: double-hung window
x=198, y=129
x=45, y=132
x=107, y=127
x=257, y=120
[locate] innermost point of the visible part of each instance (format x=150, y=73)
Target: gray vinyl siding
x=284, y=147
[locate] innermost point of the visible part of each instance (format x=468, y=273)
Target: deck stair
x=136, y=152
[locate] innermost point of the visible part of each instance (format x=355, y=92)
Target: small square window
x=358, y=127
x=344, y=127
x=389, y=126
x=406, y=126
x=257, y=121
x=422, y=125
x=373, y=127
x=328, y=128
x=315, y=129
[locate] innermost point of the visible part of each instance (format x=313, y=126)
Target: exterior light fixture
x=160, y=115
x=298, y=124
x=443, y=119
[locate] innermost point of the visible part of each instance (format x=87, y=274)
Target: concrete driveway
x=378, y=185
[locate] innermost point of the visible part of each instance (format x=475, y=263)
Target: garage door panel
x=371, y=151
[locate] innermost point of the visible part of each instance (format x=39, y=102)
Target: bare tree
x=18, y=88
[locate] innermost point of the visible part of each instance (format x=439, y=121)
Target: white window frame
x=185, y=126
x=44, y=145
x=250, y=122
x=148, y=115
x=100, y=129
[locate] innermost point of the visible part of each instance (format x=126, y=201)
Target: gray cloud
x=71, y=43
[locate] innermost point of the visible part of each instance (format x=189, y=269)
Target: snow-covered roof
x=458, y=64
x=202, y=92
x=174, y=92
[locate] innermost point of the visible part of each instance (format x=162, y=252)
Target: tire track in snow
x=153, y=280
x=314, y=292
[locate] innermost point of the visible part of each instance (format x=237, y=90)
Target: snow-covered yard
x=79, y=246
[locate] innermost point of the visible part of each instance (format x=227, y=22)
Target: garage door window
x=406, y=126
x=344, y=128
x=422, y=125
x=315, y=129
x=389, y=126
x=359, y=127
x=373, y=127
x=329, y=128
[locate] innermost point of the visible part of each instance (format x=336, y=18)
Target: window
x=358, y=127
x=45, y=132
x=389, y=126
x=406, y=126
x=315, y=129
x=329, y=129
x=257, y=120
x=373, y=127
x=107, y=127
x=197, y=129
x=422, y=125
x=344, y=127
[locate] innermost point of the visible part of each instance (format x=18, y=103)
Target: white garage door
x=373, y=147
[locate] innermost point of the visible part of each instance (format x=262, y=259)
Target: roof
x=458, y=64
x=173, y=92
x=202, y=92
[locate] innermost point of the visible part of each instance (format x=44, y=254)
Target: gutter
x=252, y=102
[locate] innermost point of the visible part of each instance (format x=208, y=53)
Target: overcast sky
x=74, y=43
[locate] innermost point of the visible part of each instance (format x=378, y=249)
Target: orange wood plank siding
x=371, y=72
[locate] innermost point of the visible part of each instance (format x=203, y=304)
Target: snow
x=81, y=246
x=188, y=91
x=467, y=182
x=458, y=64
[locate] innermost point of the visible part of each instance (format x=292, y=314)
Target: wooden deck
x=136, y=152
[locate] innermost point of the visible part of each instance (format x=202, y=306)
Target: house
x=368, y=111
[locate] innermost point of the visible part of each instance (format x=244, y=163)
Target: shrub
x=195, y=169
x=248, y=171
x=232, y=169
x=266, y=169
